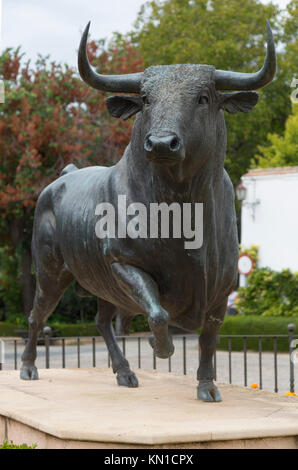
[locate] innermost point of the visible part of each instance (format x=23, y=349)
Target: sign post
x=245, y=267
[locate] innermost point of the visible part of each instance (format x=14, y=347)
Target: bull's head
x=180, y=104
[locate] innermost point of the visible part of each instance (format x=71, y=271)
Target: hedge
x=139, y=323
x=238, y=325
x=8, y=329
x=76, y=329
x=256, y=325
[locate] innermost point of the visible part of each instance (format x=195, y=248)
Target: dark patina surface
x=176, y=154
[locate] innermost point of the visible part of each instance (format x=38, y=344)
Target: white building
x=270, y=216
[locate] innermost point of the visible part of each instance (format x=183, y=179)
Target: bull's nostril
x=148, y=145
x=174, y=145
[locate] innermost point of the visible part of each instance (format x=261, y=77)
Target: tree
x=290, y=33
x=230, y=34
x=283, y=149
x=42, y=128
x=50, y=118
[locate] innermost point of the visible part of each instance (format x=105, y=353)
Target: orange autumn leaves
x=51, y=118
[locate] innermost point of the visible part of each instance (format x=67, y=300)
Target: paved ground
x=177, y=366
x=84, y=407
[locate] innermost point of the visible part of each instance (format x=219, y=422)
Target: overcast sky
x=54, y=26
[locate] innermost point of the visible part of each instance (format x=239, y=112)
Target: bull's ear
x=242, y=101
x=124, y=107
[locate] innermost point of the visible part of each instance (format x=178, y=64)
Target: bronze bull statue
x=176, y=156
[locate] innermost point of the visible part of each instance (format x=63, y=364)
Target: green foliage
x=50, y=118
x=269, y=293
x=256, y=325
x=230, y=34
x=138, y=324
x=11, y=445
x=283, y=149
x=219, y=32
x=76, y=329
x=8, y=329
x=73, y=308
x=289, y=25
x=10, y=287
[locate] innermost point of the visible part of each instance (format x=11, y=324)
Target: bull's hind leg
x=47, y=295
x=207, y=390
x=143, y=289
x=52, y=279
x=104, y=317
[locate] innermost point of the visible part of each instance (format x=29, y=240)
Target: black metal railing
x=77, y=343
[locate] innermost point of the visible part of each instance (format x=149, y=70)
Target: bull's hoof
x=28, y=372
x=162, y=350
x=207, y=391
x=127, y=379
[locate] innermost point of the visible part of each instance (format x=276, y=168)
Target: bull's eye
x=145, y=99
x=203, y=99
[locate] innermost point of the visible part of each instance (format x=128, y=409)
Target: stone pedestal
x=85, y=408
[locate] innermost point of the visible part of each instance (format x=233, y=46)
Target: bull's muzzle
x=164, y=148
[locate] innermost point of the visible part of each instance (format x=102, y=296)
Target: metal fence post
x=1, y=353
x=291, y=329
x=139, y=352
x=275, y=364
x=184, y=354
x=245, y=359
x=15, y=355
x=47, y=331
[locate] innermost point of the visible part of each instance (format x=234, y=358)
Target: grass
x=11, y=445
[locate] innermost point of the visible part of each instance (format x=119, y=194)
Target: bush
x=269, y=293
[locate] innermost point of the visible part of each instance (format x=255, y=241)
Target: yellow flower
x=290, y=394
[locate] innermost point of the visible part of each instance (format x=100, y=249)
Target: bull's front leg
x=207, y=390
x=143, y=289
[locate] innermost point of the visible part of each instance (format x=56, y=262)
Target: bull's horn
x=225, y=80
x=129, y=83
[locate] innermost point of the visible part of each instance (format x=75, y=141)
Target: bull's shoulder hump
x=78, y=179
x=85, y=172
